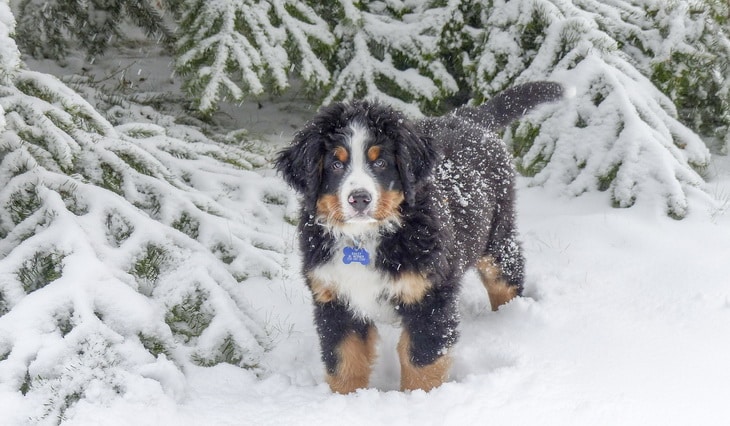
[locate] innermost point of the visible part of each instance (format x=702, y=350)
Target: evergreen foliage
x=50, y=28
x=683, y=47
x=388, y=50
x=9, y=54
x=233, y=49
x=692, y=63
x=109, y=247
x=662, y=65
x=421, y=56
x=619, y=133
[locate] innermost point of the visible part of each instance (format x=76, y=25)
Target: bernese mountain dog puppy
x=393, y=213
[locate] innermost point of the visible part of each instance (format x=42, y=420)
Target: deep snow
x=625, y=321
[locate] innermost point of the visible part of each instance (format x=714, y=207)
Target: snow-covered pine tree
x=388, y=50
x=49, y=28
x=122, y=249
x=9, y=54
x=458, y=26
x=619, y=133
x=236, y=48
x=684, y=47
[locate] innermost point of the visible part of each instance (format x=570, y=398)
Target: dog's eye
x=337, y=165
x=379, y=163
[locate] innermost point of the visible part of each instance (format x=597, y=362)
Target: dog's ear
x=415, y=157
x=301, y=163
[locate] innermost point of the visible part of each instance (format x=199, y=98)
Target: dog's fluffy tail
x=512, y=104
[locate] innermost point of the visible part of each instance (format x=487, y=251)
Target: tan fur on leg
x=356, y=357
x=500, y=292
x=415, y=377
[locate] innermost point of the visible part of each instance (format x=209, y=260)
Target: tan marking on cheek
x=321, y=292
x=500, y=292
x=389, y=205
x=342, y=154
x=373, y=153
x=414, y=377
x=356, y=357
x=329, y=208
x=410, y=287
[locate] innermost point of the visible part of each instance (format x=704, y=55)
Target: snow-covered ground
x=625, y=321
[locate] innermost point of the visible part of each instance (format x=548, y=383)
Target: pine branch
x=229, y=50
x=51, y=28
x=107, y=235
x=619, y=134
x=386, y=56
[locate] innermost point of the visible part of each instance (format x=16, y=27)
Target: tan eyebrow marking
x=342, y=154
x=373, y=153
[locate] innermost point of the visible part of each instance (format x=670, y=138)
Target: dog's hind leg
x=500, y=290
x=502, y=266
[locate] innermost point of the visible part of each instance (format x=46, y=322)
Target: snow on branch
x=53, y=28
x=303, y=33
x=619, y=134
x=618, y=139
x=123, y=251
x=236, y=49
x=9, y=54
x=683, y=48
x=389, y=58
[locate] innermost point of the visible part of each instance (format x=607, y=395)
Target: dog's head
x=356, y=163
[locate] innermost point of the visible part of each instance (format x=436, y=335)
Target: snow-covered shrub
x=50, y=28
x=9, y=55
x=683, y=47
x=122, y=249
x=240, y=48
x=618, y=134
x=388, y=50
x=690, y=62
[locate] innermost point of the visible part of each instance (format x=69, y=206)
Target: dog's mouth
x=360, y=218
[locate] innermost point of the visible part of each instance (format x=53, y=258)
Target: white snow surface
x=624, y=321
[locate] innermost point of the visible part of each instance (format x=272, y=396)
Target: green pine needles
x=50, y=28
x=189, y=318
x=148, y=267
x=107, y=238
x=39, y=270
x=423, y=57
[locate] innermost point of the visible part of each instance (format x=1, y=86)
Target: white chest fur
x=366, y=290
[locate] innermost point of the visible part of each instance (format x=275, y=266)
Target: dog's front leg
x=429, y=332
x=348, y=346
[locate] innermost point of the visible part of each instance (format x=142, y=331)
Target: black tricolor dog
x=393, y=213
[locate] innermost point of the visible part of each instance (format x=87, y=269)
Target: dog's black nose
x=359, y=200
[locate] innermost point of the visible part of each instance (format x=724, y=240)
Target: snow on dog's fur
x=393, y=213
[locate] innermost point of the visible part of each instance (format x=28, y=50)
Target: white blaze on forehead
x=358, y=175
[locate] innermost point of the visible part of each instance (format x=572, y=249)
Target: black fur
x=511, y=104
x=334, y=322
x=458, y=184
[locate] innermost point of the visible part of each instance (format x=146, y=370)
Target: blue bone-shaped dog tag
x=358, y=255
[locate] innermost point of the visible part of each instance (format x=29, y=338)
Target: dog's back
x=475, y=181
